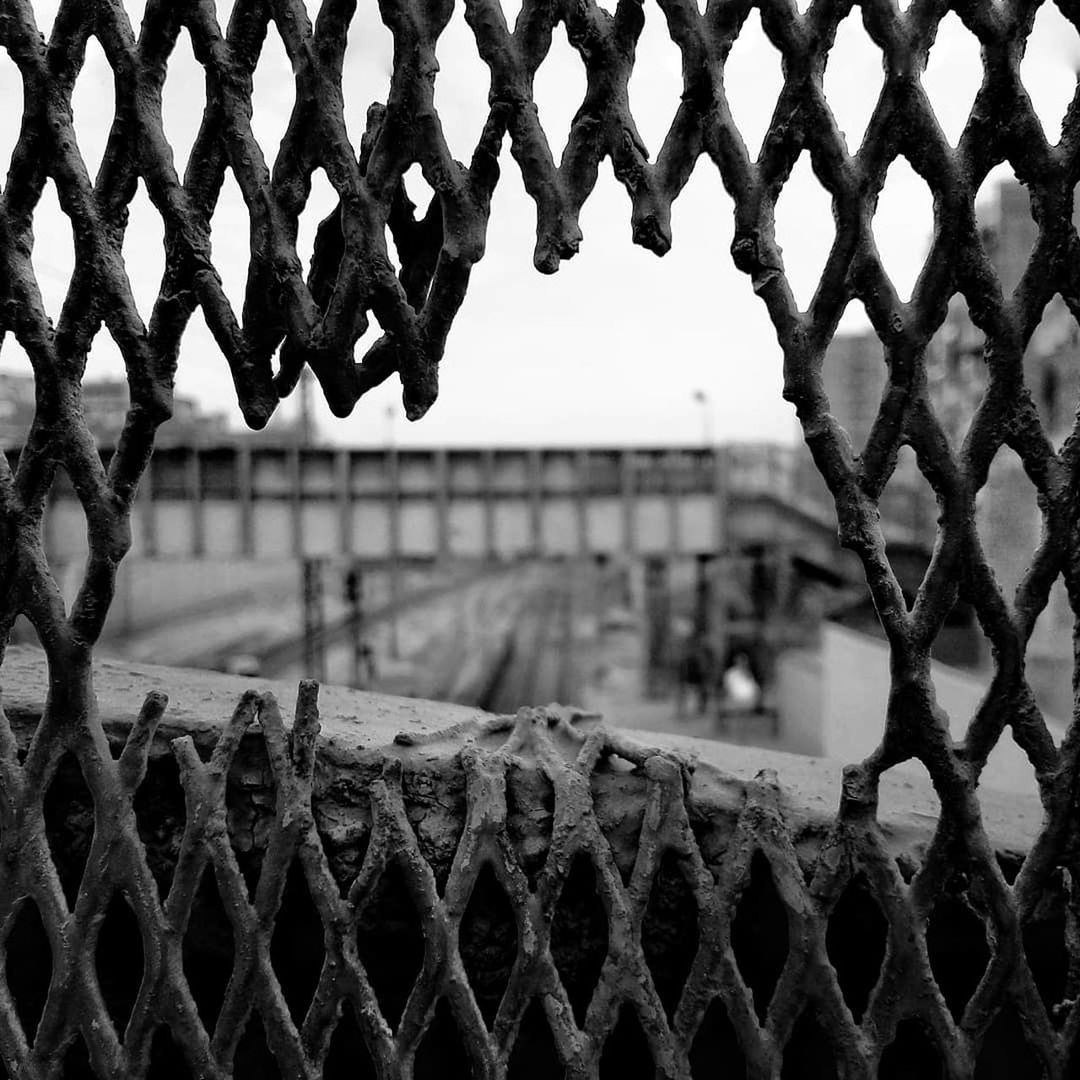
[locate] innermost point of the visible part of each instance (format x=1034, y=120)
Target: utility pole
x=394, y=496
x=314, y=623
x=703, y=595
x=354, y=598
x=722, y=495
x=307, y=417
x=658, y=621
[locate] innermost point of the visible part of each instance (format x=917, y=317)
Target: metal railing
x=317, y=320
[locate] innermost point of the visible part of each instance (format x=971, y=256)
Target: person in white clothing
x=741, y=689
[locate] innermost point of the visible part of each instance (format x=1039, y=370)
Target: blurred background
x=610, y=505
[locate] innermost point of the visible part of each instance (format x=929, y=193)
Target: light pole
x=702, y=399
x=714, y=568
x=395, y=530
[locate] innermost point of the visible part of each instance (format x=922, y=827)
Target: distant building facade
x=105, y=405
x=854, y=377
x=1008, y=517
x=16, y=407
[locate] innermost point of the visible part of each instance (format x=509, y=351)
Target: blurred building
x=1008, y=515
x=854, y=377
x=105, y=405
x=16, y=407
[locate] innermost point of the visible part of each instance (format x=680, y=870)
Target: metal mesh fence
x=318, y=319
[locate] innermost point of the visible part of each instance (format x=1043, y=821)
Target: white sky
x=613, y=347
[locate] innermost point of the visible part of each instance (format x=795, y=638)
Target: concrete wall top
x=354, y=722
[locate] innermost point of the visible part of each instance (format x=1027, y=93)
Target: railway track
x=281, y=654
x=267, y=633
x=535, y=665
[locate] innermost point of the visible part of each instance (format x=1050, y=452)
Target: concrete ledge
x=353, y=721
x=452, y=894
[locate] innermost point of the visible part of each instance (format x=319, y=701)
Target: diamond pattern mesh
x=289, y=321
x=774, y=943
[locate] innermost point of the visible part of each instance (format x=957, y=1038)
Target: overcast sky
x=614, y=346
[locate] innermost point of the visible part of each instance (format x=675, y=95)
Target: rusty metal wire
x=758, y=864
x=318, y=320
